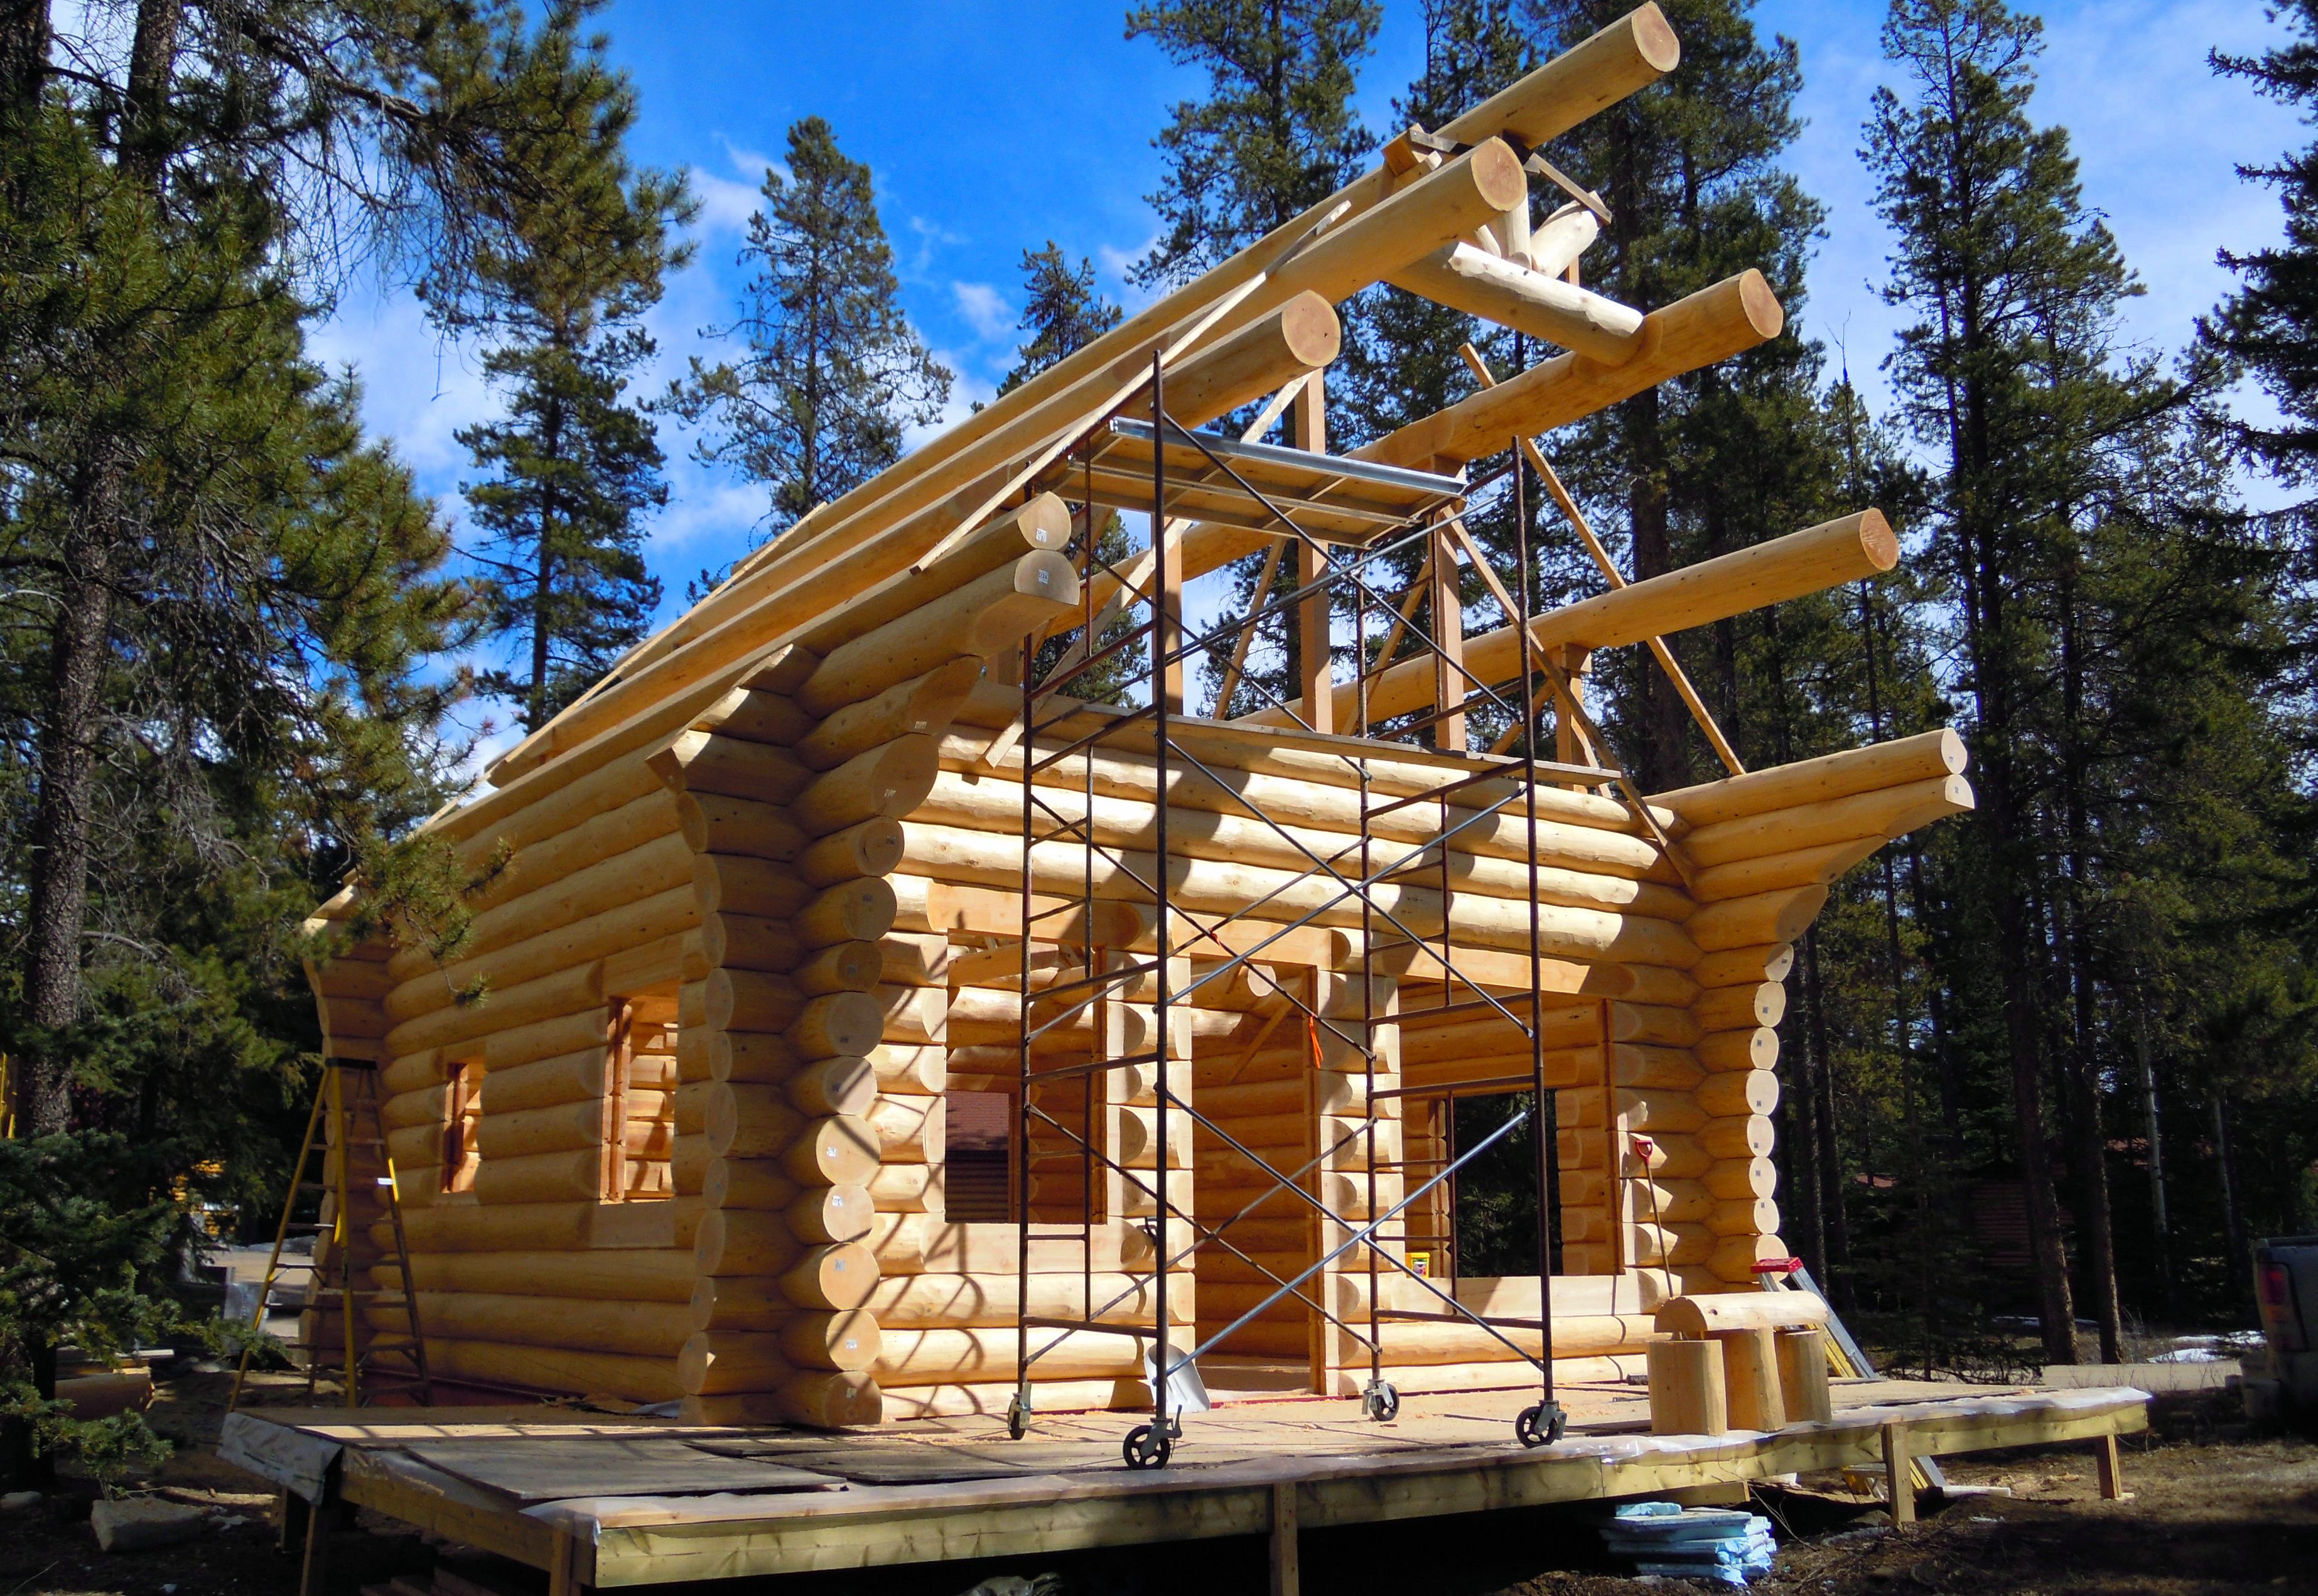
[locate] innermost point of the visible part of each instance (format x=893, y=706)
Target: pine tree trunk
x=1837, y=1279
x=2047, y=1256
x=23, y=54
x=58, y=912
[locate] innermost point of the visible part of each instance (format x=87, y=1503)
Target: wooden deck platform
x=603, y=1501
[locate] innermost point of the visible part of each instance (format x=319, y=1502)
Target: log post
x=1899, y=1475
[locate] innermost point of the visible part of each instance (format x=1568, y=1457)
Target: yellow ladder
x=373, y=1362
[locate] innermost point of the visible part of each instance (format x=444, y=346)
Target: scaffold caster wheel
x=1382, y=1402
x=1018, y=1417
x=1541, y=1425
x=1147, y=1446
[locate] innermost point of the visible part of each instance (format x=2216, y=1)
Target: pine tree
x=574, y=464
x=2006, y=371
x=2271, y=324
x=1277, y=133
x=1062, y=310
x=834, y=377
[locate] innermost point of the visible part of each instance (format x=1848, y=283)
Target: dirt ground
x=2213, y=1511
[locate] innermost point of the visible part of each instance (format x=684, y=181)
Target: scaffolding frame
x=1050, y=745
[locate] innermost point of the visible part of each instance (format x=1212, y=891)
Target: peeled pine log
x=698, y=763
x=1727, y=1008
x=561, y=1127
x=566, y=991
x=1779, y=916
x=847, y=912
x=1634, y=1065
x=1739, y=1092
x=648, y=869
x=1733, y=1258
x=1574, y=830
x=716, y=822
x=1709, y=326
x=922, y=705
x=1748, y=1217
x=424, y=1107
x=1826, y=556
x=1722, y=1051
x=568, y=1078
x=541, y=865
x=412, y=1072
x=939, y=1357
x=1410, y=1345
x=832, y=1400
x=847, y=1085
x=743, y=1242
x=1131, y=822
x=546, y=1229
x=1253, y=364
x=1742, y=1179
x=911, y=1015
x=547, y=1038
x=641, y=1328
x=1931, y=756
x=979, y=618
x=1561, y=1026
x=713, y=1363
x=616, y=1275
x=750, y=942
x=883, y=782
x=1805, y=867
x=915, y=1244
x=910, y=1069
x=1042, y=522
x=555, y=1370
x=1206, y=886
x=1509, y=293
x=834, y=1277
x=545, y=810
x=757, y=715
x=1744, y=966
x=909, y=1130
x=964, y=1302
x=913, y=959
x=908, y=1188
x=1882, y=813
x=1747, y=1136
x=576, y=1176
x=827, y=1026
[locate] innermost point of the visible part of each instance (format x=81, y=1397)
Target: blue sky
x=992, y=127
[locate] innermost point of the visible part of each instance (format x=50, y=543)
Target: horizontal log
x=622, y=1275
x=1727, y=1008
x=1737, y=1136
x=988, y=614
x=1739, y=1091
x=757, y=714
x=883, y=782
x=565, y=992
x=555, y=1370
x=847, y=1085
x=1828, y=555
x=1212, y=887
x=717, y=823
x=938, y=1357
x=547, y=1038
x=1930, y=756
x=639, y=1328
x=1753, y=1049
x=922, y=705
x=576, y=1176
x=1510, y=294
x=1744, y=966
x=818, y=1400
x=1707, y=326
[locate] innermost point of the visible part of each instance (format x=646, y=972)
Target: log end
x=1498, y=178
x=1311, y=330
x=1654, y=39
x=1953, y=756
x=1877, y=540
x=1759, y=305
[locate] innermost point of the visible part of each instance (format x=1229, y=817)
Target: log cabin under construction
x=876, y=1030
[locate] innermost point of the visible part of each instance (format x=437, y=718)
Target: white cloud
x=985, y=310
x=419, y=387
x=933, y=238
x=726, y=202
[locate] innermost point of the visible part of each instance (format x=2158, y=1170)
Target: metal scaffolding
x=1352, y=523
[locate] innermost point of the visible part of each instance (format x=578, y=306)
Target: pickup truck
x=2285, y=1287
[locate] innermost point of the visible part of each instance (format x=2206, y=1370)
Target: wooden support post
x=1449, y=633
x=1308, y=427
x=2106, y=1467
x=1899, y=1477
x=1803, y=1375
x=1286, y=1573
x=314, y=1556
x=1686, y=1389
x=1570, y=746
x=563, y=1565
x=1750, y=1378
